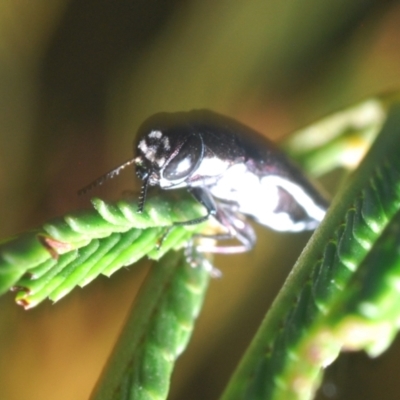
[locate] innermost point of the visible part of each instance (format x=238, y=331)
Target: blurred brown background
x=76, y=80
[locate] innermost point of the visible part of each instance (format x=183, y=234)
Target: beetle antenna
x=109, y=175
x=142, y=196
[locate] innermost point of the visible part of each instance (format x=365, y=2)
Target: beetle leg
x=237, y=228
x=206, y=200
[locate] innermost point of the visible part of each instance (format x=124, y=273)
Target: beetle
x=232, y=170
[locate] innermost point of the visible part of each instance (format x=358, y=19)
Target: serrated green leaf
x=73, y=250
x=157, y=331
x=310, y=320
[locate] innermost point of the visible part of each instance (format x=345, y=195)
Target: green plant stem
x=156, y=332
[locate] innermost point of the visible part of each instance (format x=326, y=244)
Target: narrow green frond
x=73, y=250
x=343, y=290
x=157, y=331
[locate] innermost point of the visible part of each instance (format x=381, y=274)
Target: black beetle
x=233, y=171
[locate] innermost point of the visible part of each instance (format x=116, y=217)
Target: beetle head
x=168, y=152
x=167, y=158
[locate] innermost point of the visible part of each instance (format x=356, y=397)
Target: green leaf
x=73, y=250
x=157, y=330
x=337, y=295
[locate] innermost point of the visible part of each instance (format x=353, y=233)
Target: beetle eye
x=186, y=160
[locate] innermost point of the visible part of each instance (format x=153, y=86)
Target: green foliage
x=73, y=250
x=158, y=329
x=337, y=296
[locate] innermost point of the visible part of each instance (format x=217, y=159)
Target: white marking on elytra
x=260, y=197
x=312, y=209
x=155, y=135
